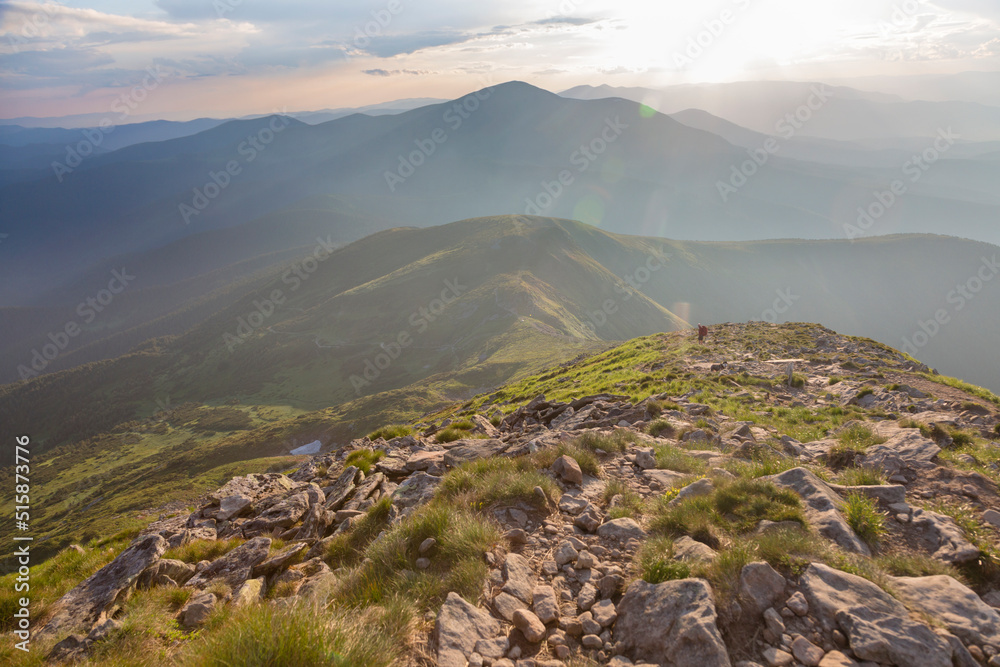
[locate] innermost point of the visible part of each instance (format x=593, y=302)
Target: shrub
x=616, y=441
x=364, y=459
x=488, y=482
x=656, y=564
x=630, y=503
x=660, y=428
x=390, y=432
x=300, y=635
x=669, y=457
x=864, y=518
x=451, y=434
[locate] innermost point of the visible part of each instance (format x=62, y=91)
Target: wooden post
x=791, y=372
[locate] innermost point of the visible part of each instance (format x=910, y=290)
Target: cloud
x=396, y=72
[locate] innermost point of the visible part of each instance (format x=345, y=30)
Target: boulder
x=280, y=560
x=828, y=590
x=821, y=505
x=341, y=489
x=702, y=487
x=231, y=507
x=472, y=450
x=943, y=538
x=960, y=609
x=529, y=625
x=196, y=611
x=905, y=451
x=280, y=515
x=415, y=490
x=106, y=589
x=688, y=549
x=893, y=640
x=255, y=487
x=621, y=530
x=424, y=460
x=249, y=592
x=236, y=566
x=520, y=577
x=545, y=603
x=568, y=470
x=760, y=587
x=671, y=623
x=459, y=627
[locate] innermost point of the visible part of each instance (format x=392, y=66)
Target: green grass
x=364, y=459
x=452, y=433
x=486, y=483
x=302, y=635
x=863, y=476
x=630, y=504
x=864, y=518
x=852, y=442
x=199, y=550
x=390, y=432
x=673, y=458
x=616, y=441
x=586, y=459
x=655, y=562
x=971, y=389
x=762, y=464
x=346, y=548
x=661, y=428
x=734, y=507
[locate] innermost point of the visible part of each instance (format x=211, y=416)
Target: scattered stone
x=545, y=604
x=506, y=604
x=249, y=592
x=775, y=657
x=587, y=597
x=760, y=587
x=806, y=652
x=568, y=470
x=196, y=611
x=621, y=530
x=604, y=613
x=565, y=553
x=798, y=604
x=529, y=625
x=519, y=576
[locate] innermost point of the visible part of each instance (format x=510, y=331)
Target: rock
x=892, y=639
x=472, y=450
x=688, y=549
x=666, y=479
x=236, y=566
x=249, y=592
x=589, y=520
x=645, y=458
x=565, y=553
x=341, y=489
x=415, y=490
x=103, y=591
x=427, y=545
x=798, y=604
x=519, y=576
x=196, y=611
x=529, y=625
x=317, y=586
x=777, y=658
x=572, y=504
x=545, y=603
x=568, y=470
x=232, y=506
x=71, y=648
x=506, y=604
x=806, y=652
x=587, y=597
x=905, y=450
x=585, y=561
x=280, y=560
x=255, y=487
x=604, y=613
x=588, y=625
x=992, y=517
x=459, y=627
x=670, y=623
x=281, y=515
x=702, y=487
x=621, y=530
x=760, y=587
x=424, y=460
x=364, y=490
x=837, y=659
x=592, y=642
x=961, y=610
x=821, y=505
x=944, y=538
x=772, y=619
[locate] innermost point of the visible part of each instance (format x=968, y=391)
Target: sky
x=222, y=58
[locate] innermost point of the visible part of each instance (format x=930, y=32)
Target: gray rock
x=519, y=576
x=104, y=590
x=905, y=451
x=645, y=458
x=196, y=611
x=568, y=470
x=255, y=487
x=232, y=506
x=760, y=587
x=249, y=592
x=529, y=625
x=459, y=627
x=806, y=652
x=960, y=609
x=506, y=604
x=702, y=487
x=667, y=479
x=821, y=505
x=604, y=613
x=341, y=489
x=415, y=490
x=837, y=659
x=281, y=515
x=688, y=549
x=236, y=566
x=587, y=597
x=992, y=517
x=494, y=649
x=545, y=603
x=943, y=537
x=828, y=590
x=565, y=553
x=671, y=623
x=775, y=657
x=589, y=520
x=572, y=504
x=280, y=560
x=621, y=530
x=473, y=450
x=892, y=639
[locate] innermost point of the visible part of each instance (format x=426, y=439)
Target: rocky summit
x=776, y=496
